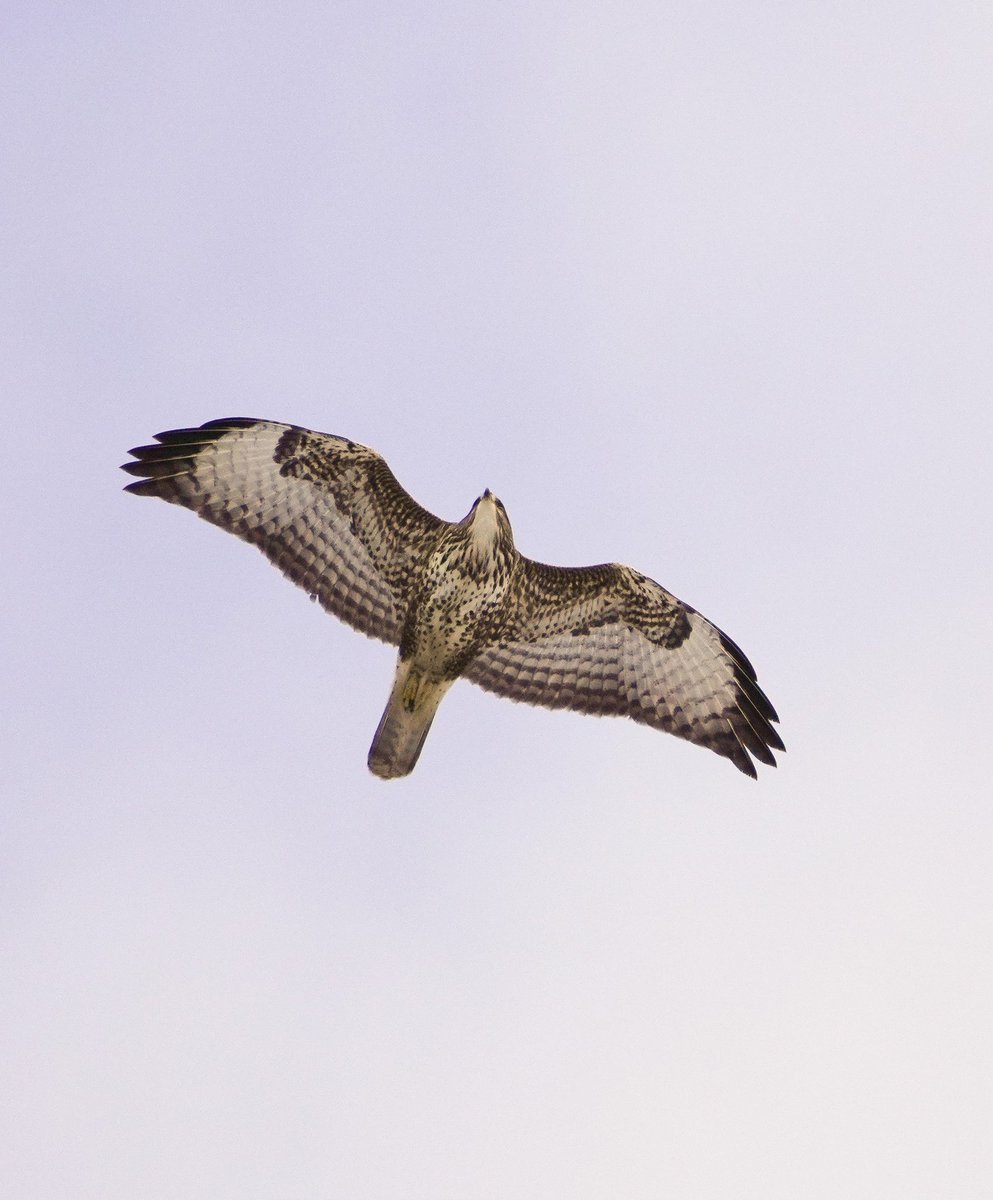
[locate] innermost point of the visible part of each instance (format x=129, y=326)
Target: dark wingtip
x=144, y=487
x=754, y=724
x=776, y=742
x=233, y=423
x=174, y=451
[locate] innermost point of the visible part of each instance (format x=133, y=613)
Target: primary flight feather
x=457, y=598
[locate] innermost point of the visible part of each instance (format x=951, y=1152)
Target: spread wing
x=328, y=512
x=609, y=641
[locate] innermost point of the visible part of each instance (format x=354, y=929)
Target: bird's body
x=457, y=598
x=460, y=599
x=457, y=607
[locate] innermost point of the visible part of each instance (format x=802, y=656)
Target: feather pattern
x=615, y=643
x=456, y=597
x=326, y=511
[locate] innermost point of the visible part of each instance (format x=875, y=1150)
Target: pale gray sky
x=705, y=289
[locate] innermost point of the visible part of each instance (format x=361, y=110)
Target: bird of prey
x=457, y=598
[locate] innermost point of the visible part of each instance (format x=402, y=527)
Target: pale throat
x=485, y=526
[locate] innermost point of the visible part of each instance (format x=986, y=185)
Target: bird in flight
x=457, y=598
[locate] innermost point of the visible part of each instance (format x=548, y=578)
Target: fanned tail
x=406, y=720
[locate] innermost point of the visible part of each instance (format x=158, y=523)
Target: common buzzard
x=457, y=598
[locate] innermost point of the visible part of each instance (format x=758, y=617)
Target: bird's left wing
x=327, y=511
x=609, y=641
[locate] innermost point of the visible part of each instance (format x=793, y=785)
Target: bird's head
x=488, y=522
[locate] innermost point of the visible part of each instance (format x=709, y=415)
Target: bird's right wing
x=327, y=511
x=609, y=641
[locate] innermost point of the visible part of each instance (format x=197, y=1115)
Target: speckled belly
x=454, y=615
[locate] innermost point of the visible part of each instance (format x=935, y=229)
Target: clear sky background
x=707, y=289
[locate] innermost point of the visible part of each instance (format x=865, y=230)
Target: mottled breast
x=458, y=605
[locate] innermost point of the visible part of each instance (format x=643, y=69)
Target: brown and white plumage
x=457, y=598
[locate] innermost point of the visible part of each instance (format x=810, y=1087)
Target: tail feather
x=406, y=720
